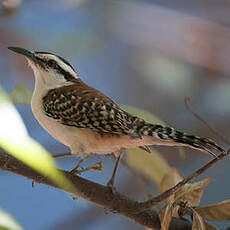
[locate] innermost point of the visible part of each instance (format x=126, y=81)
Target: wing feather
x=84, y=107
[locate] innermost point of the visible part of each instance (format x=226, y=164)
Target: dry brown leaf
x=197, y=222
x=161, y=212
x=192, y=193
x=167, y=216
x=171, y=178
x=219, y=211
x=152, y=165
x=175, y=209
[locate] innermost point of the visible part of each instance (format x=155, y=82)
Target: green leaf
x=147, y=116
x=7, y=222
x=153, y=165
x=16, y=141
x=167, y=216
x=21, y=94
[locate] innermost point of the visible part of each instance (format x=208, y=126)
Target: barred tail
x=170, y=136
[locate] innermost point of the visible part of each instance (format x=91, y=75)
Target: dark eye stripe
x=62, y=59
x=44, y=63
x=41, y=62
x=66, y=74
x=63, y=72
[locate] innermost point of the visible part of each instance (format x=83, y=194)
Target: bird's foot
x=96, y=166
x=110, y=184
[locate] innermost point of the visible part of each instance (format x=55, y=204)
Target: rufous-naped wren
x=86, y=120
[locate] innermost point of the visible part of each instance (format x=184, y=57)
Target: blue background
x=130, y=52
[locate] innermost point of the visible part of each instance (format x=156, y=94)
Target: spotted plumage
x=83, y=107
x=80, y=106
x=86, y=120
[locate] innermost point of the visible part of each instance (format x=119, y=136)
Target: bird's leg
x=111, y=180
x=97, y=166
x=60, y=155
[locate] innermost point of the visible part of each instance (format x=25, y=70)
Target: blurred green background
x=144, y=53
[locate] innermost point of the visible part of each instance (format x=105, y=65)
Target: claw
x=96, y=166
x=145, y=148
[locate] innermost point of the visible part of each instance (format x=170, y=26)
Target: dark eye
x=52, y=63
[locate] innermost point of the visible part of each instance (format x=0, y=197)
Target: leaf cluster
x=186, y=201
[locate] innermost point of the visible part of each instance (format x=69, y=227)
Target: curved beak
x=24, y=52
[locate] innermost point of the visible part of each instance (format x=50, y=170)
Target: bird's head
x=50, y=69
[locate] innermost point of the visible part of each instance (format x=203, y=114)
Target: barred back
x=170, y=134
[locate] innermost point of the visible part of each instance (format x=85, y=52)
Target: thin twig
x=156, y=200
x=186, y=101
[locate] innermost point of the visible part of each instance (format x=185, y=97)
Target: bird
x=87, y=121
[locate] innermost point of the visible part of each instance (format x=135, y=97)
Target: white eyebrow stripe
x=60, y=62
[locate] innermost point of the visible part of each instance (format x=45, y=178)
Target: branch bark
x=102, y=196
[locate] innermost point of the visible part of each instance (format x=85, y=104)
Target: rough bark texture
x=104, y=197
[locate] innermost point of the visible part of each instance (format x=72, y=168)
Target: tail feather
x=177, y=137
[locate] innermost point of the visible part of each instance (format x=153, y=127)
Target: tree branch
x=156, y=200
x=102, y=196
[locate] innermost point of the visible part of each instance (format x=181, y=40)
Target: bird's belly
x=53, y=127
x=105, y=144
